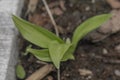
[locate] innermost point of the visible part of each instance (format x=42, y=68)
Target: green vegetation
x=54, y=49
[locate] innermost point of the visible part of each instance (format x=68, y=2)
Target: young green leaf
x=20, y=72
x=57, y=52
x=40, y=54
x=68, y=41
x=68, y=56
x=88, y=26
x=35, y=34
x=26, y=52
x=45, y=56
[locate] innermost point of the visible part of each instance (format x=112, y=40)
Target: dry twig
x=51, y=17
x=41, y=73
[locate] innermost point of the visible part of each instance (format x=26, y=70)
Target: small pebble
x=89, y=77
x=117, y=48
x=117, y=72
x=87, y=8
x=67, y=75
x=105, y=51
x=93, y=1
x=92, y=54
x=85, y=72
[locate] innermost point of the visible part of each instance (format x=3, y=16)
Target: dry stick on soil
x=41, y=73
x=31, y=6
x=51, y=17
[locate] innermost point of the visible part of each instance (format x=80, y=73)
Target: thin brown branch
x=51, y=17
x=41, y=73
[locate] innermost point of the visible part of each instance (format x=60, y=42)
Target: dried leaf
x=38, y=19
x=32, y=6
x=62, y=5
x=56, y=11
x=114, y=3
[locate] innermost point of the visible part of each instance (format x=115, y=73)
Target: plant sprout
x=20, y=71
x=54, y=49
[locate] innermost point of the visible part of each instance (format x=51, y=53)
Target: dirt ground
x=93, y=61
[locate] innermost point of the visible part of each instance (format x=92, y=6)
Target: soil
x=101, y=58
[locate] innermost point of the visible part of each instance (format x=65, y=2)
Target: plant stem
x=58, y=74
x=55, y=27
x=51, y=17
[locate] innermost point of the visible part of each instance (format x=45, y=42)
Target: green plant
x=20, y=71
x=54, y=49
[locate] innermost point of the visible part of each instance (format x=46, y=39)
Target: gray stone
x=117, y=48
x=117, y=72
x=8, y=38
x=105, y=51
